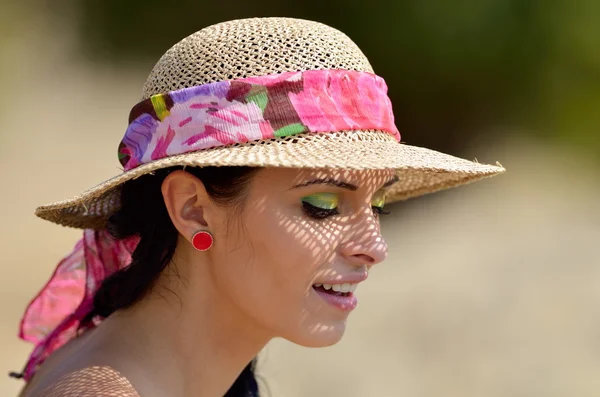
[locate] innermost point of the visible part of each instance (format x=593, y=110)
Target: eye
x=378, y=203
x=320, y=205
x=380, y=211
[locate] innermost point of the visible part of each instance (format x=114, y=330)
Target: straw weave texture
x=253, y=47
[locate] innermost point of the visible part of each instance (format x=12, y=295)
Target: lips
x=338, y=291
x=340, y=296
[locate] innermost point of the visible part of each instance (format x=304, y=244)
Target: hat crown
x=253, y=47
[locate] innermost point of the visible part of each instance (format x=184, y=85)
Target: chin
x=319, y=335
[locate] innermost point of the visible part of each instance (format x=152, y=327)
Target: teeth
x=344, y=288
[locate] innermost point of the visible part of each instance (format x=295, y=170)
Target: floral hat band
x=255, y=108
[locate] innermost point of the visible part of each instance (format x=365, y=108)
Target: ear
x=188, y=204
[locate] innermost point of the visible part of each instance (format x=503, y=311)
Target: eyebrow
x=327, y=181
x=391, y=182
x=341, y=184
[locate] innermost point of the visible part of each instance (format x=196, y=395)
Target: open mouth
x=345, y=289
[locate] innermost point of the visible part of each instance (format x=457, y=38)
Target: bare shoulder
x=92, y=382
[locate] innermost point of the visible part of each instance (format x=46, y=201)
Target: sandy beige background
x=490, y=290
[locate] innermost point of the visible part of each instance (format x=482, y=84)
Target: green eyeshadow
x=378, y=200
x=326, y=201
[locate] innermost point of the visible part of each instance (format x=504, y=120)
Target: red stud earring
x=202, y=240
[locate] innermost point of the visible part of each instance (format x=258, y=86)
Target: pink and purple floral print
x=254, y=108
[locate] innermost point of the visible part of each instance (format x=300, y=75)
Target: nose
x=365, y=245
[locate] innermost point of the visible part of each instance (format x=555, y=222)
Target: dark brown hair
x=143, y=213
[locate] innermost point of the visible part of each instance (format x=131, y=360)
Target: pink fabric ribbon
x=54, y=315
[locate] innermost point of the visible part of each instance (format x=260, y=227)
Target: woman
x=256, y=168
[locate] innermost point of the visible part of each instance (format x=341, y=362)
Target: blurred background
x=492, y=289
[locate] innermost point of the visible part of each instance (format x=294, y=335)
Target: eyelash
x=322, y=213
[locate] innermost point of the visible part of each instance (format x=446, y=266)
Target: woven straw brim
x=420, y=170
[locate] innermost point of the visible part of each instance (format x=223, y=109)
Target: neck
x=187, y=340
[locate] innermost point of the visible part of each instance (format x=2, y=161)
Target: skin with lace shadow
x=92, y=382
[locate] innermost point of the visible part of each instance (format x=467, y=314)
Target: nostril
x=364, y=259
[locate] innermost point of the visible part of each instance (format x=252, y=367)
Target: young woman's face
x=302, y=243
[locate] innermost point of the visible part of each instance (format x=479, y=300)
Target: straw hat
x=268, y=46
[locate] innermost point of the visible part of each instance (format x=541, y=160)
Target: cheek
x=289, y=250
x=278, y=256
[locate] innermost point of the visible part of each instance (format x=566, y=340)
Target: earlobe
x=202, y=240
x=185, y=199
